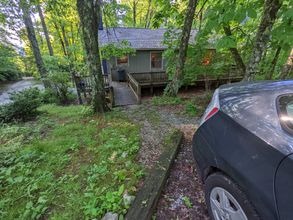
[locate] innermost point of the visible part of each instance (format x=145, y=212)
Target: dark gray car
x=244, y=151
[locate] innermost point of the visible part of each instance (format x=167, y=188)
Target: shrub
x=191, y=109
x=50, y=96
x=24, y=104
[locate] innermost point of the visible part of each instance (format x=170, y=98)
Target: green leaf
x=121, y=189
x=41, y=200
x=18, y=179
x=29, y=205
x=25, y=214
x=228, y=17
x=231, y=43
x=240, y=15
x=251, y=13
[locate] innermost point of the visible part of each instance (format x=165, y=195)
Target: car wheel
x=226, y=201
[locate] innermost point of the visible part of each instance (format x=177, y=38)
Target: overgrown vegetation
x=67, y=164
x=24, y=104
x=193, y=106
x=159, y=101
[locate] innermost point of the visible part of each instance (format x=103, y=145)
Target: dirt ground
x=183, y=183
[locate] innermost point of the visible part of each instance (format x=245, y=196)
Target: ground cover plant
x=68, y=163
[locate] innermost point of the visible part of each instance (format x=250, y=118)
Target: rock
x=127, y=163
x=124, y=154
x=126, y=199
x=110, y=216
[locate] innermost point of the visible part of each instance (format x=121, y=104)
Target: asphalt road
x=18, y=86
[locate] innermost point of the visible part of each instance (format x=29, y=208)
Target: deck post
x=186, y=88
x=139, y=94
x=112, y=100
x=152, y=79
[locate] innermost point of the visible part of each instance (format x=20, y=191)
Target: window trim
x=120, y=65
x=151, y=60
x=284, y=126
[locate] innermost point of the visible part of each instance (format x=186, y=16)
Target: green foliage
x=24, y=104
x=117, y=49
x=59, y=78
x=159, y=101
x=215, y=65
x=187, y=202
x=61, y=162
x=9, y=69
x=191, y=109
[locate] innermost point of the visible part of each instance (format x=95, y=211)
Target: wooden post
x=186, y=88
x=139, y=94
x=217, y=84
x=152, y=79
x=112, y=100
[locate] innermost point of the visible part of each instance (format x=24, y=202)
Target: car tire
x=225, y=200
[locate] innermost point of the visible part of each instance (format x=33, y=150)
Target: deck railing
x=135, y=86
x=83, y=85
x=151, y=77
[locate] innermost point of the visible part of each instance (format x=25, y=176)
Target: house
x=147, y=43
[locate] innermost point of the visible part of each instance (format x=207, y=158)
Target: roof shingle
x=139, y=38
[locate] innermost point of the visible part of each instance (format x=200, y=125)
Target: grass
x=159, y=101
x=67, y=164
x=194, y=106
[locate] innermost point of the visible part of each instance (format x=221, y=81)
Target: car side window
x=285, y=112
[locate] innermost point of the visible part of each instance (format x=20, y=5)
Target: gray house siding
x=139, y=63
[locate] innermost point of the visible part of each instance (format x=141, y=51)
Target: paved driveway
x=18, y=86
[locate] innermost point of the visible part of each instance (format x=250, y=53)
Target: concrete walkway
x=123, y=95
x=18, y=86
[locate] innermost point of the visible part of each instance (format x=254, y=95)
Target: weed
x=191, y=109
x=187, y=202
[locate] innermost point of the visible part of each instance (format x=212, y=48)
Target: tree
x=235, y=52
x=33, y=40
x=89, y=13
x=179, y=71
x=45, y=30
x=269, y=15
x=287, y=67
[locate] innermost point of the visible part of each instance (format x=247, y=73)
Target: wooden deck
x=137, y=81
x=83, y=85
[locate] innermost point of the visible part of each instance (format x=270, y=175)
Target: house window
x=122, y=61
x=156, y=60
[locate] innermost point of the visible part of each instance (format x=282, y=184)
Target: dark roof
x=139, y=38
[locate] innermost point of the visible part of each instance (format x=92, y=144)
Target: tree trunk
x=153, y=10
x=270, y=10
x=273, y=65
x=235, y=53
x=45, y=30
x=68, y=52
x=179, y=72
x=89, y=13
x=134, y=12
x=147, y=15
x=60, y=38
x=288, y=66
x=33, y=40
